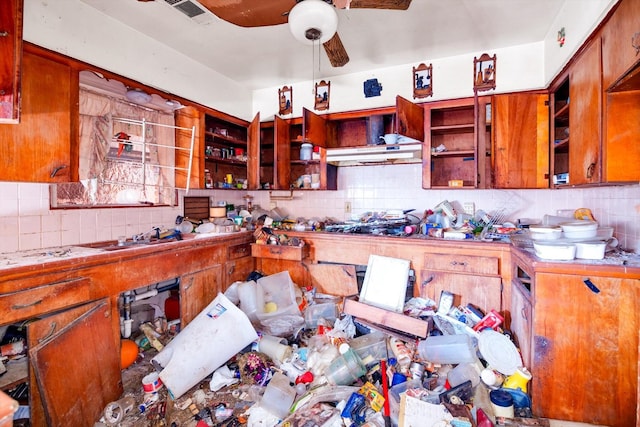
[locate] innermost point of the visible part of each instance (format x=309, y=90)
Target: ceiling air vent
x=192, y=9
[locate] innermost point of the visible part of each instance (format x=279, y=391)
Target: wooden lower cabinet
x=585, y=348
x=197, y=290
x=520, y=317
x=473, y=279
x=75, y=390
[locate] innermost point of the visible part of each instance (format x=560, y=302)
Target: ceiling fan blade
x=250, y=13
x=377, y=4
x=335, y=51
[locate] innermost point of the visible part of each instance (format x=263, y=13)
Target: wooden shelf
x=451, y=129
x=457, y=153
x=227, y=139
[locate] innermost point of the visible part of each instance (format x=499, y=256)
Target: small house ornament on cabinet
x=323, y=92
x=422, y=81
x=484, y=73
x=285, y=100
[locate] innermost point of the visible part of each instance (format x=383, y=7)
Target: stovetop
x=380, y=226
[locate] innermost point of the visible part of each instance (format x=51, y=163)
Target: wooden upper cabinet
x=281, y=154
x=253, y=153
x=620, y=43
x=187, y=118
x=409, y=119
x=585, y=115
x=43, y=146
x=622, y=131
x=521, y=141
x=314, y=128
x=11, y=12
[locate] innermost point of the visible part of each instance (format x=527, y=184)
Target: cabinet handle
x=275, y=251
x=461, y=263
x=51, y=331
x=55, y=171
x=21, y=306
x=523, y=313
x=635, y=42
x=231, y=270
x=590, y=170
x=6, y=33
x=591, y=286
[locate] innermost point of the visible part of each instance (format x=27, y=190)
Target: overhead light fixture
x=137, y=96
x=313, y=21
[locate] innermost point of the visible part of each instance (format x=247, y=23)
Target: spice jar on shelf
x=208, y=179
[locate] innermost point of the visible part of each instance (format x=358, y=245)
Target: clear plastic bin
x=370, y=347
x=277, y=289
x=451, y=349
x=315, y=312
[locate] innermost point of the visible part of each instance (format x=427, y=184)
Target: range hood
x=372, y=154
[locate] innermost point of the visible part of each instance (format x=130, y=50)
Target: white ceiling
x=268, y=56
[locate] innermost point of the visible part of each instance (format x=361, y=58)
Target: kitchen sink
x=113, y=245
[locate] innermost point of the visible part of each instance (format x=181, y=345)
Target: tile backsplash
x=26, y=222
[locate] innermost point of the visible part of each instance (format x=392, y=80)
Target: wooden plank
x=334, y=279
x=389, y=319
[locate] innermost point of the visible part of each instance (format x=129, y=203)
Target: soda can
x=417, y=371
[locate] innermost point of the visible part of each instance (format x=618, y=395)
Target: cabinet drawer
x=292, y=253
x=36, y=301
x=462, y=263
x=238, y=251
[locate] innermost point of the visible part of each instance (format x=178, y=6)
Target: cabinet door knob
x=4, y=33
x=635, y=42
x=591, y=286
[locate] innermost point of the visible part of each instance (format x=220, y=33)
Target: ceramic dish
x=545, y=232
x=579, y=229
x=593, y=249
x=557, y=251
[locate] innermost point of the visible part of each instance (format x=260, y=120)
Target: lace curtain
x=117, y=165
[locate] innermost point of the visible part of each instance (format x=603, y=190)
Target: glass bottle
x=208, y=180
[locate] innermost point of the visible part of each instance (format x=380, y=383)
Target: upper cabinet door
x=620, y=43
x=410, y=119
x=585, y=114
x=314, y=128
x=521, y=145
x=10, y=58
x=281, y=154
x=43, y=146
x=253, y=154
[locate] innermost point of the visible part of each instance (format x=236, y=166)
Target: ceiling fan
x=260, y=13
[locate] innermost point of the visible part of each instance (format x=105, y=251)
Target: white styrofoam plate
x=499, y=352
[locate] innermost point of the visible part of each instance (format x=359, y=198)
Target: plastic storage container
x=315, y=312
x=464, y=372
x=275, y=296
x=305, y=151
x=452, y=349
x=372, y=345
x=502, y=403
x=278, y=396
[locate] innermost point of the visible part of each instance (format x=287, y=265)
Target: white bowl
x=557, y=251
x=545, y=232
x=593, y=249
x=579, y=229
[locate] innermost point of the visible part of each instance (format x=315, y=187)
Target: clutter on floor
x=267, y=353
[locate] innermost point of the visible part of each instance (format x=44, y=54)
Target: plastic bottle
x=401, y=352
x=208, y=180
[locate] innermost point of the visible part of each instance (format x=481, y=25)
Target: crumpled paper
x=222, y=377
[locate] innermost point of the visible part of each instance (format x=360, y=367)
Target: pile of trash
x=268, y=353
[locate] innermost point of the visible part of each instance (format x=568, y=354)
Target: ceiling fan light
x=312, y=20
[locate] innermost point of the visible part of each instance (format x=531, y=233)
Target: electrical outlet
x=469, y=208
x=347, y=207
x=272, y=205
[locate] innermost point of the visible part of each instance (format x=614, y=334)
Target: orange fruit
x=128, y=353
